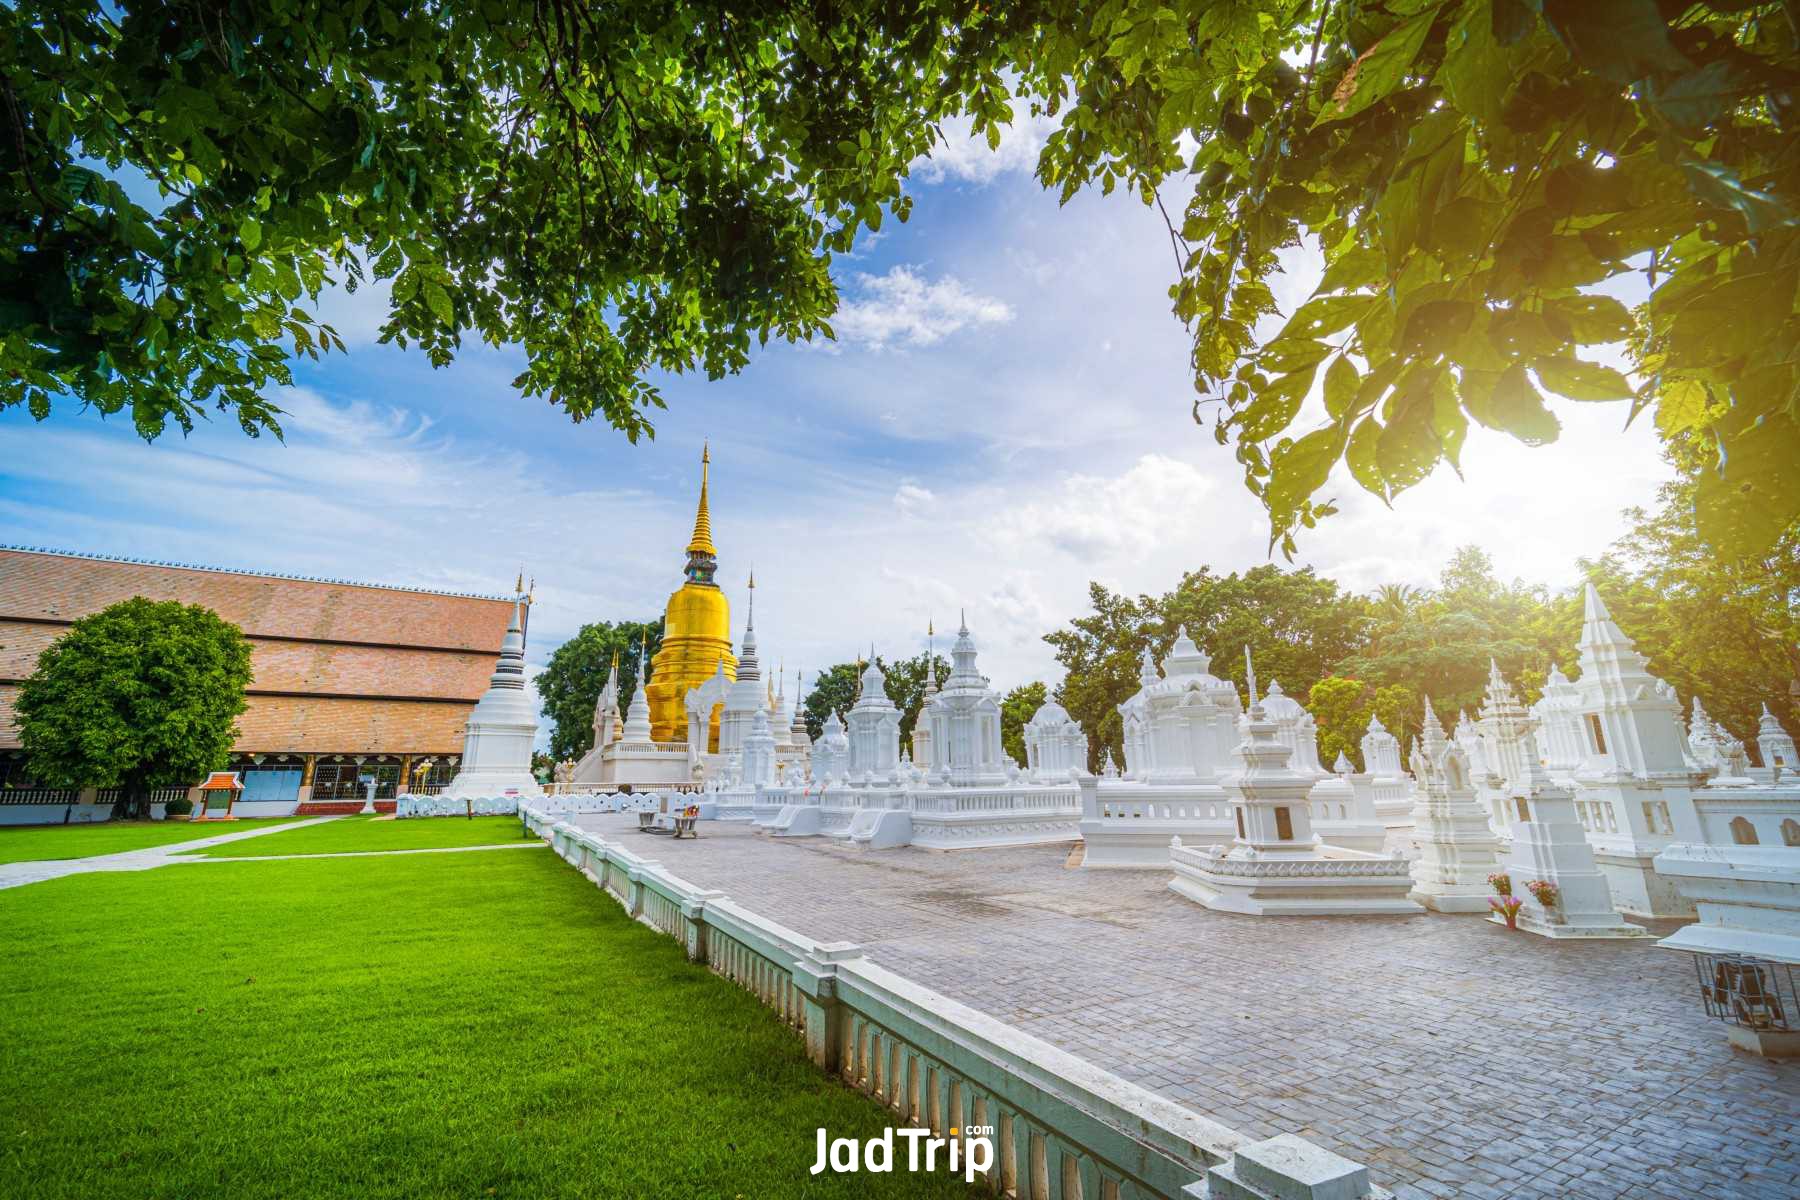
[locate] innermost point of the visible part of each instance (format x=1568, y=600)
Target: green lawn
x=35, y=843
x=439, y=1025
x=372, y=833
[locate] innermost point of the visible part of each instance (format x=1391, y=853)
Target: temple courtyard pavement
x=1454, y=1057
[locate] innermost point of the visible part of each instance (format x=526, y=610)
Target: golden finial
x=701, y=542
x=519, y=587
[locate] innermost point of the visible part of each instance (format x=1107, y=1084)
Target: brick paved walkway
x=1454, y=1058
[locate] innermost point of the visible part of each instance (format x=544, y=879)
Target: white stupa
x=496, y=757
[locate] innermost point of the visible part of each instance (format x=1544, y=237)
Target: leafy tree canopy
x=1019, y=706
x=571, y=682
x=1296, y=624
x=141, y=695
x=658, y=186
x=836, y=690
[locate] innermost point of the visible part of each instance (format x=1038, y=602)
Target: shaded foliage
x=647, y=188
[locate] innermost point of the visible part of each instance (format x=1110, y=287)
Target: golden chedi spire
x=701, y=542
x=696, y=630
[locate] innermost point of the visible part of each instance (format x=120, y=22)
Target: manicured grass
x=36, y=843
x=435, y=1025
x=372, y=833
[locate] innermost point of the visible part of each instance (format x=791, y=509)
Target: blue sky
x=1005, y=417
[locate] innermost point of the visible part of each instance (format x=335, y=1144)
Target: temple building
x=696, y=632
x=351, y=682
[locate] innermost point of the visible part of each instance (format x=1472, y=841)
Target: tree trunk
x=134, y=799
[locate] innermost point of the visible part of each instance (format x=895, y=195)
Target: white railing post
x=815, y=975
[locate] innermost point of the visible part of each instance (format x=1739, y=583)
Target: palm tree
x=1394, y=601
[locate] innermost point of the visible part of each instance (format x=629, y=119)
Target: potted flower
x=1507, y=905
x=1546, y=894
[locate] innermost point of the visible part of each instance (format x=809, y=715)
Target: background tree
x=1727, y=630
x=1440, y=642
x=1019, y=706
x=1297, y=624
x=1340, y=708
x=141, y=695
x=652, y=187
x=571, y=682
x=836, y=689
x=1099, y=653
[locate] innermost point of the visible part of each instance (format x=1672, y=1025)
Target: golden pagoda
x=696, y=633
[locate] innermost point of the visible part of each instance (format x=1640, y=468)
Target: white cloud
x=913, y=500
x=963, y=156
x=903, y=307
x=1155, y=504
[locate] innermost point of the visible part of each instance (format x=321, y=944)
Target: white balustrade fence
x=1062, y=1127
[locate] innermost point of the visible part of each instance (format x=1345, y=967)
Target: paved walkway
x=21, y=873
x=1453, y=1057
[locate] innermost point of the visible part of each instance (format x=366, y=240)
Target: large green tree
x=1019, y=706
x=1440, y=642
x=571, y=682
x=143, y=694
x=835, y=690
x=1297, y=625
x=653, y=187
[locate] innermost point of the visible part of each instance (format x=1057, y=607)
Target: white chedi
x=1393, y=790
x=1774, y=744
x=1277, y=865
x=1558, y=714
x=1054, y=744
x=1182, y=723
x=831, y=753
x=1718, y=753
x=873, y=730
x=497, y=742
x=1457, y=848
x=746, y=694
x=1296, y=729
x=1549, y=846
x=964, y=723
x=756, y=762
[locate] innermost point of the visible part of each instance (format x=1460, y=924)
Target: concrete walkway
x=1456, y=1059
x=19, y=874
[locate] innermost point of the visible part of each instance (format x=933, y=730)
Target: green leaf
x=1359, y=456
x=1380, y=71
x=1681, y=405
x=1357, y=267
x=1621, y=40
x=1510, y=404
x=1341, y=385
x=1291, y=354
x=1299, y=469
x=438, y=301
x=1747, y=500
x=1591, y=318
x=1581, y=380
x=1273, y=408
x=1699, y=98
x=1477, y=74
x=1324, y=315
x=1716, y=183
